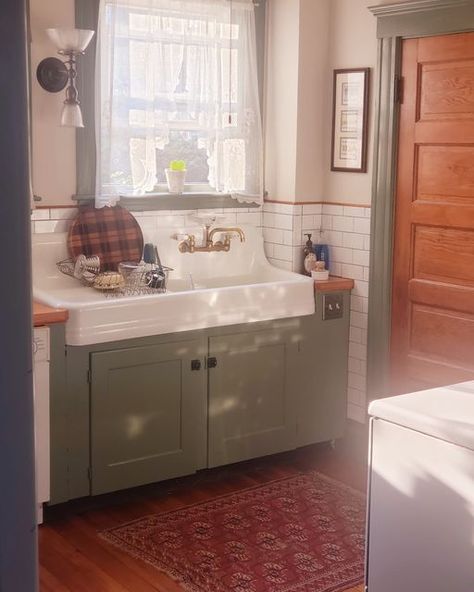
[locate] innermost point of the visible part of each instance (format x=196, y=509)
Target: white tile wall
x=59, y=219
x=284, y=229
x=347, y=230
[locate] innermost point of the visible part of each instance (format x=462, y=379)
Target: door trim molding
x=418, y=18
x=395, y=22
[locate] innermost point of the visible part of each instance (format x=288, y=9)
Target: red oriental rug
x=301, y=534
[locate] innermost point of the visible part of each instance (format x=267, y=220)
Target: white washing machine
x=41, y=405
x=421, y=492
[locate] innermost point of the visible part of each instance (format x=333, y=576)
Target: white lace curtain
x=178, y=77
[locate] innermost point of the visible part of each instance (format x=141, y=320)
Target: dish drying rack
x=131, y=279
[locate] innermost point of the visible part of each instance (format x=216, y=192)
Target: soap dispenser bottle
x=309, y=255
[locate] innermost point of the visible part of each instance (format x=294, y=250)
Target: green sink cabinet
x=251, y=413
x=145, y=405
x=143, y=410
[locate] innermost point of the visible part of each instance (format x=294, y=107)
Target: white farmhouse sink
x=204, y=290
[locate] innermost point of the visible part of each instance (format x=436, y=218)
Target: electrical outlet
x=333, y=306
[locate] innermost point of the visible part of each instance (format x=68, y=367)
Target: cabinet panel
x=147, y=415
x=250, y=390
x=321, y=368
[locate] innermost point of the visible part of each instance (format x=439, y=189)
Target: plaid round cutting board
x=112, y=233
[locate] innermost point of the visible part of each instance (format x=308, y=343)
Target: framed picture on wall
x=349, y=120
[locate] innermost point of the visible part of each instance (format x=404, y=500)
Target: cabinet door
x=251, y=412
x=148, y=414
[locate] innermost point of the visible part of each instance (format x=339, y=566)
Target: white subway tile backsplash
x=356, y=396
x=40, y=214
x=356, y=381
x=361, y=257
x=288, y=237
x=297, y=223
x=62, y=213
x=355, y=333
x=353, y=241
x=281, y=208
x=358, y=351
x=343, y=223
x=355, y=212
x=273, y=235
x=333, y=210
x=362, y=225
x=335, y=268
x=361, y=289
x=356, y=413
x=326, y=222
x=355, y=272
x=312, y=209
x=283, y=252
x=358, y=319
x=253, y=218
x=356, y=366
x=283, y=221
x=358, y=303
x=341, y=255
x=268, y=219
x=43, y=226
x=334, y=238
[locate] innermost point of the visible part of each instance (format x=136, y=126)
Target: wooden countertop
x=45, y=315
x=333, y=284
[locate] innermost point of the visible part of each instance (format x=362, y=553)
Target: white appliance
x=41, y=404
x=421, y=492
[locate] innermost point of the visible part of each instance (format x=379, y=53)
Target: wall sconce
x=55, y=75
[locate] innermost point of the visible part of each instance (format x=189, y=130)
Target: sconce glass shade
x=70, y=40
x=71, y=115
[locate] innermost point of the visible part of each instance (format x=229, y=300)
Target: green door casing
x=251, y=413
x=148, y=410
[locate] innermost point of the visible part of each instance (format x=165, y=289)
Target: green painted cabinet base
x=148, y=411
x=250, y=409
x=143, y=410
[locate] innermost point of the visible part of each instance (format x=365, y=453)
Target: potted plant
x=175, y=176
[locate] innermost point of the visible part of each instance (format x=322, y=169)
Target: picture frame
x=350, y=120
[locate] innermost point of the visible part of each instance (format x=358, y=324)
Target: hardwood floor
x=74, y=559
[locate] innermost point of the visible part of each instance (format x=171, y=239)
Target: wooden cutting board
x=111, y=233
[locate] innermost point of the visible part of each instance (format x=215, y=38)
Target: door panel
x=147, y=414
x=433, y=262
x=251, y=413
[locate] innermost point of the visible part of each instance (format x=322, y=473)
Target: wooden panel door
x=148, y=414
x=433, y=280
x=252, y=404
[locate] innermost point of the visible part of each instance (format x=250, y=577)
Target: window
x=177, y=80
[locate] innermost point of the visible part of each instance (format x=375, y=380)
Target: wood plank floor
x=74, y=559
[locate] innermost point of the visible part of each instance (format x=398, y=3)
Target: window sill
x=185, y=201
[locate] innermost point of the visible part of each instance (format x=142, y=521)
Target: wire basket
x=138, y=278
x=143, y=278
x=85, y=269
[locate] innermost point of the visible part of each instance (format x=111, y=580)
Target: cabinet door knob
x=211, y=362
x=195, y=364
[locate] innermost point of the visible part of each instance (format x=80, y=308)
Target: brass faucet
x=188, y=245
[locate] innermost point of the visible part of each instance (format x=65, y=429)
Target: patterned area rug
x=301, y=534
